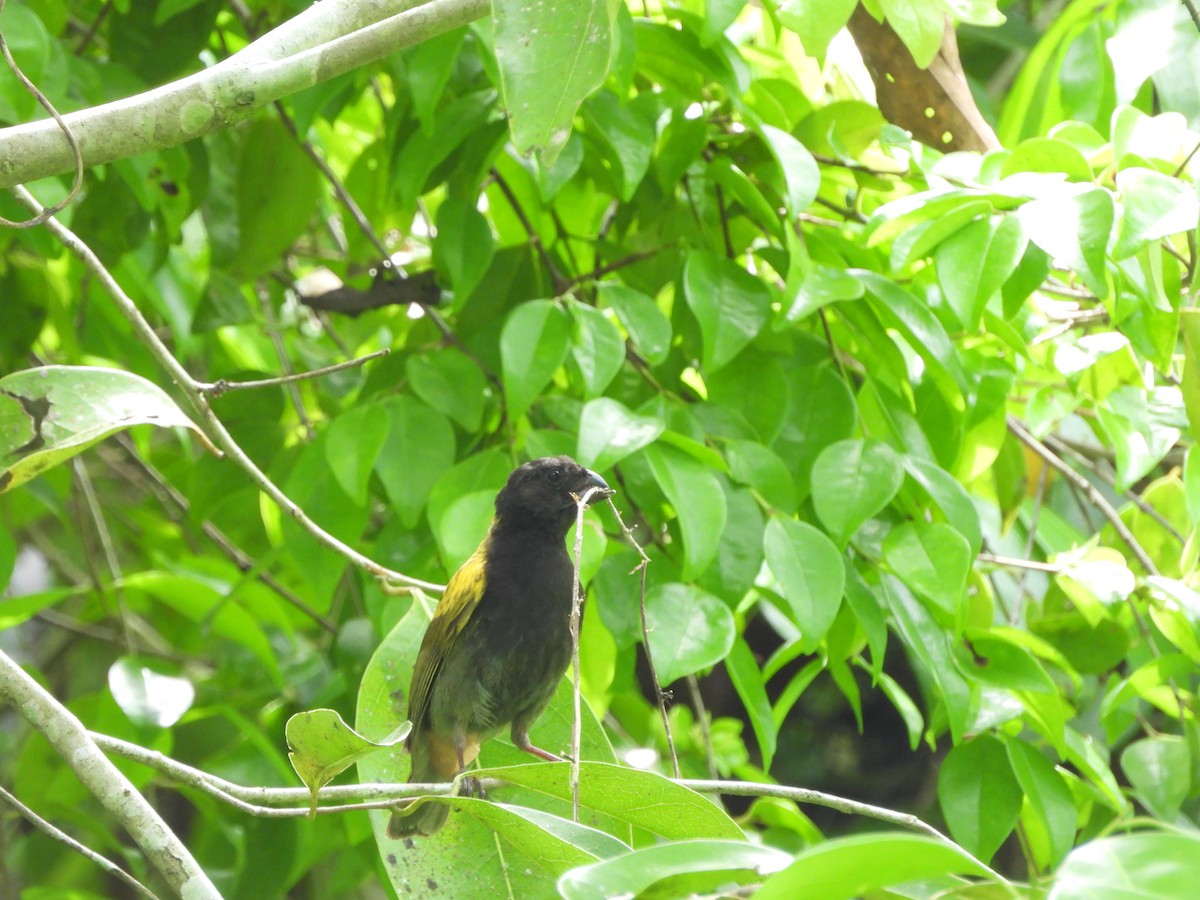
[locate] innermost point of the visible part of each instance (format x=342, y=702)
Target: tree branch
x=326, y=40
x=71, y=741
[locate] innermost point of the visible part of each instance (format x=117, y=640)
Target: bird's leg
x=467, y=786
x=520, y=738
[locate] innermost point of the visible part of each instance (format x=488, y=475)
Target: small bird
x=500, y=639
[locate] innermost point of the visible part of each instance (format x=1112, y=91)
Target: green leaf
x=451, y=383
x=464, y=246
x=933, y=559
x=649, y=329
x=151, y=698
x=822, y=286
x=759, y=467
x=801, y=176
x=1189, y=332
x=701, y=867
x=690, y=630
x=1153, y=206
x=352, y=445
x=1074, y=230
x=50, y=414
x=853, y=480
x=596, y=346
x=816, y=22
x=418, y=448
x=277, y=191
x=644, y=799
x=974, y=263
x=1046, y=794
x=747, y=680
x=699, y=503
x=551, y=57
x=979, y=795
x=730, y=304
x=950, y=497
x=810, y=572
x=919, y=25
x=628, y=135
x=533, y=344
x=321, y=745
x=1160, y=770
x=609, y=431
x=844, y=868
x=1144, y=866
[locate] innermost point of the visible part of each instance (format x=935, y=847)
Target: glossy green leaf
x=747, y=680
x=852, y=481
x=973, y=264
x=596, y=346
x=703, y=866
x=1148, y=866
x=464, y=246
x=698, y=501
x=800, y=173
x=809, y=570
x=608, y=432
x=1153, y=206
x=321, y=745
x=49, y=414
x=1046, y=794
x=418, y=448
x=919, y=25
x=1160, y=770
x=979, y=795
x=730, y=304
x=150, y=697
x=353, y=444
x=1074, y=229
x=533, y=344
x=646, y=800
x=843, y=868
x=816, y=23
x=649, y=330
x=690, y=630
x=451, y=383
x=934, y=560
x=550, y=57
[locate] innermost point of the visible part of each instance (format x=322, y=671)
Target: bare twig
x=63, y=838
x=285, y=361
x=221, y=386
x=1089, y=490
x=45, y=103
x=660, y=698
x=1030, y=564
x=581, y=504
x=213, y=426
x=70, y=740
x=710, y=757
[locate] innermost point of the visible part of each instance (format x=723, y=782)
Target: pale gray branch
x=71, y=741
x=327, y=40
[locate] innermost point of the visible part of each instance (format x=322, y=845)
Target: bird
x=499, y=641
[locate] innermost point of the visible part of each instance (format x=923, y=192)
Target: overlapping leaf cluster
x=826, y=369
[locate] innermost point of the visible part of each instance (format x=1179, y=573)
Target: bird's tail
x=430, y=816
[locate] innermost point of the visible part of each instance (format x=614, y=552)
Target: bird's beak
x=602, y=490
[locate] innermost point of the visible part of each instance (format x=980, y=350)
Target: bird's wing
x=453, y=611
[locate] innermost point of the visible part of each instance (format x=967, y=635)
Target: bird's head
x=546, y=490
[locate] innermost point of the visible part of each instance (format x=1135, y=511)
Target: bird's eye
x=555, y=476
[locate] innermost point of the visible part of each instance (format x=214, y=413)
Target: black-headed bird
x=499, y=641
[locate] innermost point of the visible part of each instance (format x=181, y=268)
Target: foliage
x=907, y=437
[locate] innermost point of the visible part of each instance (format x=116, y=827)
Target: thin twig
x=581, y=504
x=215, y=429
x=63, y=838
x=1090, y=490
x=45, y=104
x=1062, y=447
x=285, y=361
x=1030, y=564
x=660, y=698
x=239, y=557
x=70, y=740
x=221, y=386
x=710, y=756
x=560, y=284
